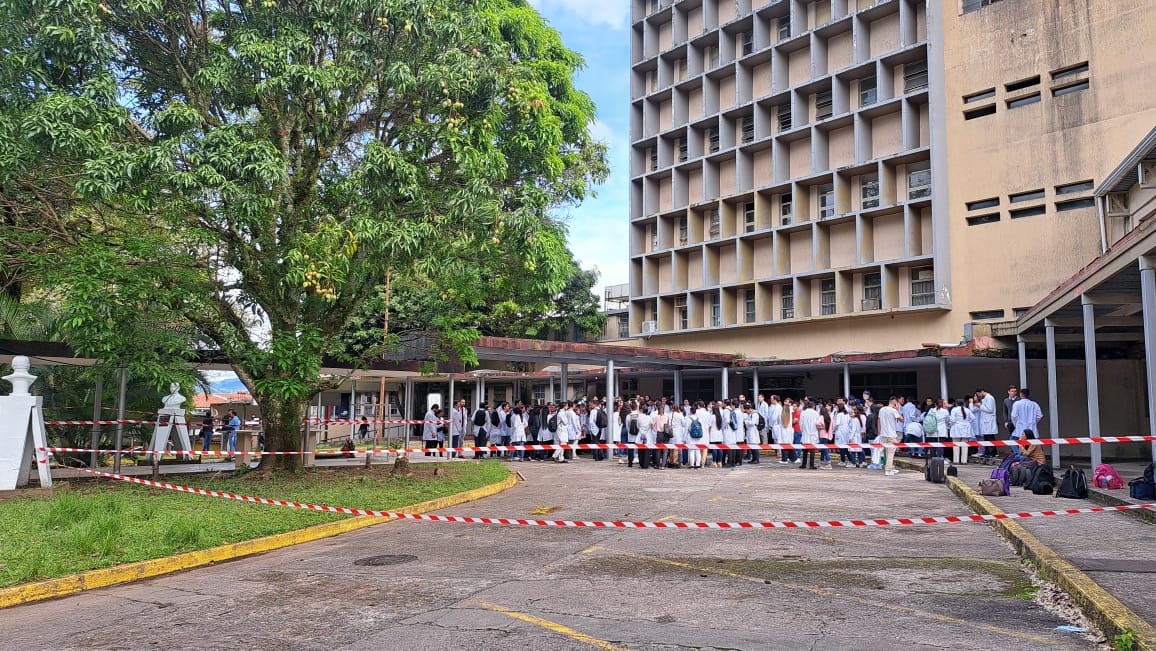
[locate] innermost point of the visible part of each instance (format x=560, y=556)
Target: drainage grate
x=381, y=561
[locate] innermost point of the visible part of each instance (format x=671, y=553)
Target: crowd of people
x=642, y=420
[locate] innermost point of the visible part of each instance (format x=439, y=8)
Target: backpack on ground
x=695, y=429
x=600, y=419
x=1002, y=475
x=1022, y=471
x=1073, y=485
x=632, y=425
x=1142, y=489
x=952, y=471
x=936, y=470
x=480, y=417
x=552, y=423
x=495, y=419
x=1107, y=477
x=930, y=423
x=1041, y=481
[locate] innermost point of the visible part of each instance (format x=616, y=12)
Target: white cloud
x=613, y=13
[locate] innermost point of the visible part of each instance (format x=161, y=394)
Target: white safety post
x=22, y=434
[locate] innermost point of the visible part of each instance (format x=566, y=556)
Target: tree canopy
x=250, y=173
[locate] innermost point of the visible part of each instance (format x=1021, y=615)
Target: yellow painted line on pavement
x=552, y=626
x=591, y=550
x=66, y=585
x=870, y=602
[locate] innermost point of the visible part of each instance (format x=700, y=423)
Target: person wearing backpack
x=755, y=426
x=480, y=422
x=632, y=435
x=960, y=431
x=699, y=433
x=644, y=424
x=595, y=424
x=679, y=425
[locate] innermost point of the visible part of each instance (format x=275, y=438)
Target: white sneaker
x=890, y=473
x=622, y=461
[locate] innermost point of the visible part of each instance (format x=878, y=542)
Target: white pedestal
x=168, y=420
x=21, y=437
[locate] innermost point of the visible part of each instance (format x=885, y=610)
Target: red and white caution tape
x=101, y=422
x=661, y=446
x=195, y=420
x=615, y=524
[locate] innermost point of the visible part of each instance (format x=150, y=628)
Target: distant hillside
x=227, y=385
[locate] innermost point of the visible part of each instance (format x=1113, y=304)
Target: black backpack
x=509, y=420
x=600, y=419
x=480, y=417
x=632, y=425
x=495, y=419
x=1073, y=485
x=762, y=422
x=1041, y=481
x=552, y=423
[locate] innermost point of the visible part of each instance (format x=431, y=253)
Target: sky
x=599, y=31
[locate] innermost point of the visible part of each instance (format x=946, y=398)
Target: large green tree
x=257, y=169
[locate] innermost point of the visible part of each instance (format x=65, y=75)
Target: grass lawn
x=99, y=523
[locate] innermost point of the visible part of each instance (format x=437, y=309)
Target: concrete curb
x=1103, y=497
x=63, y=586
x=1105, y=610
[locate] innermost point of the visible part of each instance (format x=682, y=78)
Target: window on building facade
x=826, y=201
x=784, y=115
x=539, y=390
x=1024, y=101
x=827, y=296
x=748, y=128
x=499, y=394
x=653, y=159
x=1070, y=71
x=683, y=231
x=975, y=5
x=1072, y=188
x=713, y=139
x=1028, y=212
x=922, y=286
x=983, y=315
x=715, y=224
x=715, y=310
x=749, y=217
x=712, y=56
x=822, y=12
x=682, y=149
x=1022, y=84
x=1069, y=89
x=680, y=312
x=980, y=220
x=655, y=5
x=651, y=81
x=748, y=42
x=979, y=97
x=823, y=105
x=679, y=69
x=869, y=191
x=868, y=92
x=980, y=112
x=785, y=208
x=784, y=26
x=1030, y=195
x=918, y=180
x=653, y=228
x=749, y=306
x=787, y=302
x=915, y=76
x=872, y=291
x=983, y=203
x=1075, y=204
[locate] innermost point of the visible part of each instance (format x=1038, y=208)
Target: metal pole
x=678, y=388
x=943, y=378
x=755, y=390
x=98, y=397
x=1091, y=376
x=1053, y=392
x=448, y=410
x=1148, y=291
x=1023, y=359
x=120, y=419
x=726, y=390
x=847, y=381
x=352, y=408
x=565, y=382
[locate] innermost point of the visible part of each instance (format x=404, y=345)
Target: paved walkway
x=486, y=587
x=1116, y=549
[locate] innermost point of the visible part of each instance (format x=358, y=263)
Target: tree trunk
x=283, y=420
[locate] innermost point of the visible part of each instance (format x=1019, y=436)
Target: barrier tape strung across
x=614, y=524
x=664, y=446
x=194, y=421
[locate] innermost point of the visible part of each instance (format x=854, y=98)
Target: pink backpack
x=1107, y=477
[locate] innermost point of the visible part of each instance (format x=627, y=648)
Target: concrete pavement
x=446, y=586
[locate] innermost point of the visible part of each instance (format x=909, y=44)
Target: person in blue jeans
x=233, y=423
x=206, y=432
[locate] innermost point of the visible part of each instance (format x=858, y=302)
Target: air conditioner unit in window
x=925, y=274
x=919, y=192
x=872, y=304
x=649, y=327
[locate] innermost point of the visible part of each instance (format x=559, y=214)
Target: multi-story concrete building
x=862, y=175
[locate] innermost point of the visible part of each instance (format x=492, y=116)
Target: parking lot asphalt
x=420, y=585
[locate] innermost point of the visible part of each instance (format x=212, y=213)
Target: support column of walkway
x=1053, y=391
x=1148, y=291
x=1090, y=374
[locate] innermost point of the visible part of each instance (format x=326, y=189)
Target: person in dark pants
x=206, y=432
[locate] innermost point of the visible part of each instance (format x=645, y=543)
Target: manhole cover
x=380, y=561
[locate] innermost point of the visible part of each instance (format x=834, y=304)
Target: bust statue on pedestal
x=170, y=416
x=22, y=435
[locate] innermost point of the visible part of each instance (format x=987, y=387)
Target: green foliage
x=1125, y=640
x=243, y=176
